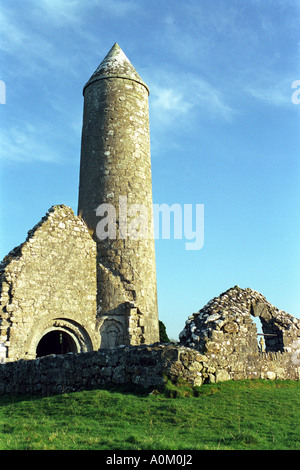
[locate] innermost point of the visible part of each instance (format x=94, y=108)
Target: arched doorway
x=59, y=336
x=56, y=341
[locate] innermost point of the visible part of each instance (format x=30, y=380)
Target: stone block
x=222, y=375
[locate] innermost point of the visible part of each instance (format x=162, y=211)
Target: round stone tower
x=115, y=200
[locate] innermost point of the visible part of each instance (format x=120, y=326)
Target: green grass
x=250, y=415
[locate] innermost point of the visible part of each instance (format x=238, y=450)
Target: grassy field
x=253, y=415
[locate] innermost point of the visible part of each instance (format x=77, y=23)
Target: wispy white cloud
x=169, y=100
x=212, y=100
x=66, y=12
x=272, y=90
x=184, y=93
x=27, y=144
x=36, y=37
x=240, y=43
x=31, y=51
x=60, y=12
x=272, y=96
x=117, y=7
x=12, y=36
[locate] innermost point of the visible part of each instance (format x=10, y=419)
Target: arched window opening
x=272, y=335
x=269, y=336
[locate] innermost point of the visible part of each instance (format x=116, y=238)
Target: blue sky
x=224, y=130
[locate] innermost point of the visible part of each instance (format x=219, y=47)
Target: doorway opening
x=56, y=342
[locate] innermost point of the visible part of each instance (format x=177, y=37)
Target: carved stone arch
x=74, y=336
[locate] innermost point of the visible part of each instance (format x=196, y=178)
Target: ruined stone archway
x=272, y=329
x=58, y=336
x=57, y=341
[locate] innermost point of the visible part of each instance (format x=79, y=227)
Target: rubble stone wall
x=223, y=331
x=147, y=367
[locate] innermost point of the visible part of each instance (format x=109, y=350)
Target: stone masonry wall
x=144, y=366
x=147, y=367
x=224, y=332
x=47, y=283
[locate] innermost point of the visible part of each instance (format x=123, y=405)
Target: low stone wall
x=147, y=367
x=282, y=366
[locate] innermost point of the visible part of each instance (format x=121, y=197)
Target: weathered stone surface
x=49, y=284
x=222, y=375
x=224, y=333
x=143, y=366
x=115, y=169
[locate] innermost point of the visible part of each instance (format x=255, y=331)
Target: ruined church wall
x=224, y=332
x=49, y=282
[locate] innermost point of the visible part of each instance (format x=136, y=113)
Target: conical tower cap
x=115, y=65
